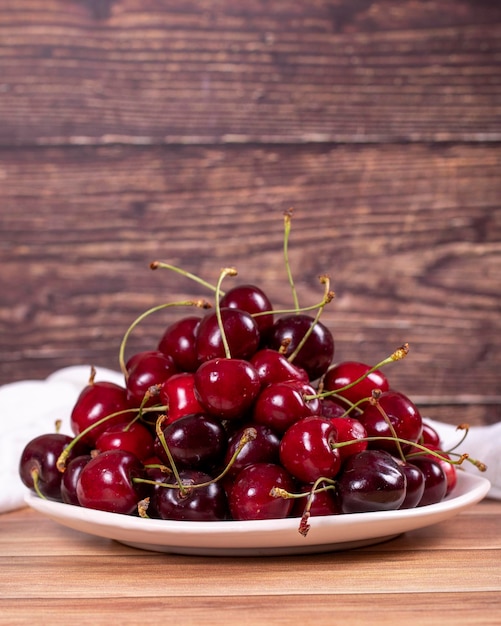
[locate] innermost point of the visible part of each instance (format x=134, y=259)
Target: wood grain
x=132, y=131
x=62, y=574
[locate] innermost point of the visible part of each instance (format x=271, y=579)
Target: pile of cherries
x=241, y=413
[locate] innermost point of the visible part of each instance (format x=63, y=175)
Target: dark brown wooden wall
x=135, y=130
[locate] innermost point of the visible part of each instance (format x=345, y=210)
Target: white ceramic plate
x=262, y=537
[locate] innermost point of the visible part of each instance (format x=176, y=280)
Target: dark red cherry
x=415, y=484
x=322, y=503
x=179, y=342
x=38, y=463
x=97, y=401
x=329, y=407
x=148, y=372
x=316, y=354
x=264, y=448
x=279, y=405
x=250, y=497
x=435, y=480
x=227, y=388
x=371, y=481
x=241, y=332
x=350, y=429
x=307, y=452
x=346, y=373
x=70, y=479
x=195, y=441
x=178, y=394
x=429, y=436
x=202, y=504
x=252, y=299
x=273, y=367
x=107, y=482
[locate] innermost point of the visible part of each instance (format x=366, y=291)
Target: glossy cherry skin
x=322, y=503
x=448, y=468
x=264, y=448
x=329, y=407
x=435, y=486
x=195, y=441
x=96, y=402
x=148, y=372
x=279, y=405
x=371, y=481
x=350, y=429
x=70, y=478
x=134, y=437
x=273, y=367
x=107, y=482
x=179, y=342
x=227, y=388
x=306, y=449
x=38, y=462
x=178, y=394
x=318, y=351
x=202, y=504
x=252, y=299
x=403, y=415
x=415, y=484
x=429, y=436
x=250, y=497
x=346, y=373
x=241, y=332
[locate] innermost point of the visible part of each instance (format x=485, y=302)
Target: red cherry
x=178, y=394
x=149, y=370
x=429, y=436
x=250, y=497
x=281, y=404
x=134, y=437
x=350, y=429
x=70, y=479
x=241, y=332
x=273, y=367
x=227, y=388
x=264, y=448
x=107, y=482
x=252, y=299
x=307, y=452
x=346, y=373
x=179, y=342
x=97, y=401
x=435, y=485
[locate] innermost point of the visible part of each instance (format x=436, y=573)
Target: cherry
x=178, y=394
x=415, y=484
x=322, y=503
x=252, y=299
x=193, y=503
x=149, y=370
x=131, y=436
x=346, y=373
x=264, y=448
x=329, y=407
x=429, y=436
x=307, y=452
x=397, y=415
x=107, y=482
x=315, y=355
x=179, y=342
x=70, y=478
x=97, y=401
x=371, y=481
x=38, y=463
x=281, y=404
x=194, y=441
x=241, y=332
x=227, y=387
x=350, y=429
x=273, y=367
x=448, y=468
x=435, y=485
x=250, y=497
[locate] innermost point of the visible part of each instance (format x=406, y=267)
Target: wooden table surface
x=448, y=573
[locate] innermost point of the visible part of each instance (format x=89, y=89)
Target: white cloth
x=31, y=407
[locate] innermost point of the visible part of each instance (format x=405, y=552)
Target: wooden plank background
x=139, y=130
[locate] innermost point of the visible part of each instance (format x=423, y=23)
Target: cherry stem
x=35, y=475
x=287, y=230
x=203, y=304
x=227, y=271
x=167, y=266
x=397, y=355
x=161, y=437
x=328, y=296
x=376, y=394
x=142, y=508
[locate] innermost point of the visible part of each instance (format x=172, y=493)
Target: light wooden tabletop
x=448, y=573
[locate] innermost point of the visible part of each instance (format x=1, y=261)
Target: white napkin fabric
x=31, y=407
